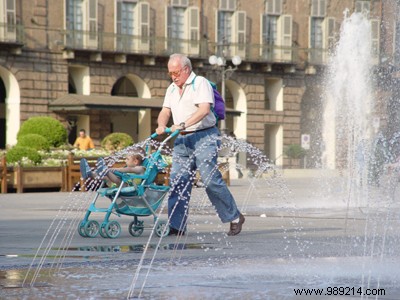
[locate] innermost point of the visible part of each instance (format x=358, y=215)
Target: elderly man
x=189, y=99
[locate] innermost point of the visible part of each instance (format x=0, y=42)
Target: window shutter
x=239, y=34
x=322, y=8
x=219, y=26
x=264, y=29
x=269, y=6
x=318, y=8
x=375, y=39
x=361, y=6
x=264, y=38
x=143, y=17
x=284, y=35
x=396, y=44
x=193, y=26
x=314, y=8
x=7, y=17
x=180, y=3
x=232, y=5
x=168, y=29
x=223, y=4
x=10, y=15
x=227, y=5
x=92, y=23
x=119, y=18
x=329, y=37
x=274, y=7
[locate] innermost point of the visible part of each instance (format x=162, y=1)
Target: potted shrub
x=294, y=152
x=116, y=141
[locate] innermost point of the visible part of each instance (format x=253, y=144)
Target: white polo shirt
x=185, y=105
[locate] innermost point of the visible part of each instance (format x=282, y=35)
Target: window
x=182, y=28
x=227, y=5
x=132, y=26
x=183, y=3
x=231, y=29
x=276, y=33
x=7, y=20
x=273, y=7
x=318, y=8
x=322, y=33
x=276, y=37
x=362, y=6
x=268, y=35
x=81, y=24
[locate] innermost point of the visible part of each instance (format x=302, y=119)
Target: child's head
x=135, y=157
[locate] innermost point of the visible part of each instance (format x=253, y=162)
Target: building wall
x=41, y=68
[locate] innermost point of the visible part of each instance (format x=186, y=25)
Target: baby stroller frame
x=138, y=200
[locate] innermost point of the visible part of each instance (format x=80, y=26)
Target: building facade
x=101, y=64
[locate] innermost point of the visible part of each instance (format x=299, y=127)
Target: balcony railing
x=158, y=46
x=12, y=34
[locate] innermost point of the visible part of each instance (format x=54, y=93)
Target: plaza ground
x=305, y=232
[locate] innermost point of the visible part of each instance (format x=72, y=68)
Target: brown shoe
x=236, y=228
x=173, y=231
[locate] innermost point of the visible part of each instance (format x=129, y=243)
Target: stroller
x=139, y=200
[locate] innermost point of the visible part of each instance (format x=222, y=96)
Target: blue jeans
x=198, y=150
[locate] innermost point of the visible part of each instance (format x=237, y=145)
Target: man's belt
x=189, y=132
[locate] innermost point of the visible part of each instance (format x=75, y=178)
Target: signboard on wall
x=305, y=141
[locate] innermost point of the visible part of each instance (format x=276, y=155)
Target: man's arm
x=76, y=144
x=163, y=119
x=91, y=144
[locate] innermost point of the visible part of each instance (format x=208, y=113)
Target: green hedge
x=47, y=127
x=17, y=153
x=34, y=141
x=116, y=141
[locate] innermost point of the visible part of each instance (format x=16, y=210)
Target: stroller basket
x=144, y=204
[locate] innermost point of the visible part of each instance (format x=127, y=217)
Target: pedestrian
x=235, y=152
x=83, y=141
x=189, y=102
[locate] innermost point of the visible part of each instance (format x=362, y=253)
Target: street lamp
x=220, y=62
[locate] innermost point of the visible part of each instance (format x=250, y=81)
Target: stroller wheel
x=113, y=229
x=81, y=229
x=135, y=229
x=92, y=228
x=103, y=230
x=161, y=229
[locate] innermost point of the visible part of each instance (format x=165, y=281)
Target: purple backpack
x=219, y=103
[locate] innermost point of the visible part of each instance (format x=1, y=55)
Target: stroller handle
x=167, y=130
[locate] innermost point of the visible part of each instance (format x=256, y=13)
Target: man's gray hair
x=185, y=61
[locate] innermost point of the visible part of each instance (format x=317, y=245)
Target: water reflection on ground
x=240, y=278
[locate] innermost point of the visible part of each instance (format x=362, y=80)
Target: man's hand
x=176, y=127
x=160, y=130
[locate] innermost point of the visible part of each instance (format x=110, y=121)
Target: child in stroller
x=134, y=160
x=130, y=198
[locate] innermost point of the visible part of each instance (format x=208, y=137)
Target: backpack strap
x=214, y=87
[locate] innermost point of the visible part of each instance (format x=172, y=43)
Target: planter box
x=65, y=177
x=36, y=177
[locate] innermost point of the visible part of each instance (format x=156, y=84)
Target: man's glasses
x=175, y=73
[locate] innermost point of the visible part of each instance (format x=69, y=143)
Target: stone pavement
x=303, y=230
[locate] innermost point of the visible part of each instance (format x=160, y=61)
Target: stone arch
x=239, y=104
x=12, y=100
x=137, y=124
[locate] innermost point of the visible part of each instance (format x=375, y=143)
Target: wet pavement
x=302, y=235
